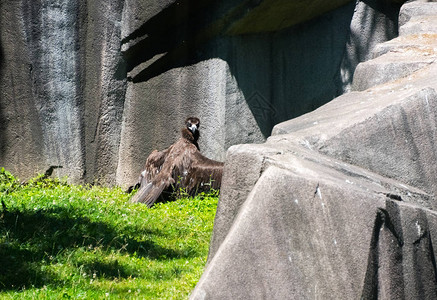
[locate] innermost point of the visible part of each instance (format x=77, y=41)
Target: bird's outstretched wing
x=203, y=174
x=152, y=168
x=148, y=194
x=154, y=164
x=160, y=170
x=181, y=166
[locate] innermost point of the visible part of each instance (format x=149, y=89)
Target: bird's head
x=193, y=125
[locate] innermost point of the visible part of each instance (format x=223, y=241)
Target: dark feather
x=179, y=166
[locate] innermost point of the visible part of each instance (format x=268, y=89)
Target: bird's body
x=179, y=166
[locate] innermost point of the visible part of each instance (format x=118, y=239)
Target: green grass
x=81, y=242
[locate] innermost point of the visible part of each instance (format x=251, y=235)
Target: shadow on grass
x=109, y=270
x=33, y=238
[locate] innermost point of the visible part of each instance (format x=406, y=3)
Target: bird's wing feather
x=162, y=170
x=151, y=169
x=148, y=194
x=154, y=163
x=203, y=172
x=181, y=165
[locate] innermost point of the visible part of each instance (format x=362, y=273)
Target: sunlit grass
x=82, y=242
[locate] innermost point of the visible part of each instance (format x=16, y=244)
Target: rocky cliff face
x=340, y=202
x=62, y=87
x=95, y=86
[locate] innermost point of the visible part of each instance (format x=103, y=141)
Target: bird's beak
x=193, y=128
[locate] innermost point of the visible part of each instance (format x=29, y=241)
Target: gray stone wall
x=62, y=87
x=94, y=86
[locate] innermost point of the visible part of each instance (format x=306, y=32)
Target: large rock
x=338, y=204
x=375, y=20
x=62, y=87
x=414, y=49
x=328, y=231
x=389, y=67
x=374, y=129
x=415, y=9
x=95, y=86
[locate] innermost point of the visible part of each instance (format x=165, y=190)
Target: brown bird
x=179, y=166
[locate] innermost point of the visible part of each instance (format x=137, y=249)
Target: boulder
x=320, y=236
x=414, y=9
x=414, y=49
x=425, y=43
x=389, y=67
x=338, y=203
x=423, y=24
x=373, y=22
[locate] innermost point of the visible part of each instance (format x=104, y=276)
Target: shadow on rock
x=401, y=262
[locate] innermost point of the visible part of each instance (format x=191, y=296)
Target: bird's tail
x=148, y=194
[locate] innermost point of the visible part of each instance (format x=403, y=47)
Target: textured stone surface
x=415, y=9
x=21, y=144
x=417, y=25
x=390, y=128
x=351, y=128
x=345, y=200
x=61, y=87
x=104, y=89
x=424, y=42
x=322, y=225
x=95, y=86
x=412, y=51
x=391, y=66
x=398, y=141
x=311, y=241
x=375, y=20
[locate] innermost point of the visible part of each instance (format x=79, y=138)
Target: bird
x=179, y=166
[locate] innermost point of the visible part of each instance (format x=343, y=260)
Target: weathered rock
x=68, y=77
x=397, y=142
x=61, y=87
x=315, y=227
x=344, y=204
x=389, y=128
x=376, y=20
x=389, y=67
x=417, y=43
x=21, y=143
x=415, y=49
x=104, y=89
x=415, y=9
x=422, y=25
x=351, y=128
